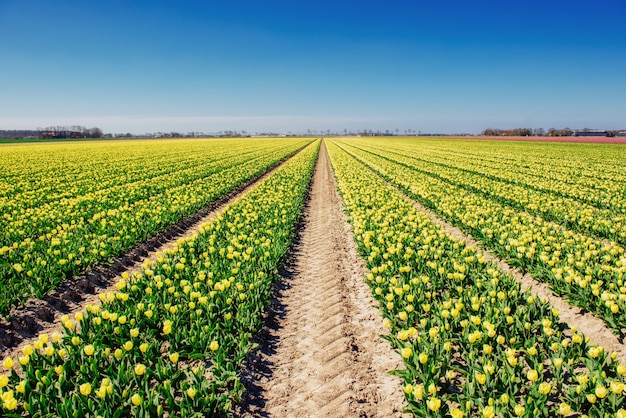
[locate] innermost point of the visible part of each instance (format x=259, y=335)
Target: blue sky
x=191, y=65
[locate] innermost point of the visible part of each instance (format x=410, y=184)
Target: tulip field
x=66, y=208
x=568, y=243
x=144, y=350
x=472, y=342
x=173, y=337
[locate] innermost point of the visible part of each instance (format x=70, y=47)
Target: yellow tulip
x=136, y=399
x=532, y=375
x=406, y=352
x=565, y=409
x=140, y=369
x=21, y=387
x=489, y=412
x=85, y=389
x=433, y=404
x=481, y=378
x=8, y=363
x=545, y=388
x=10, y=404
x=617, y=387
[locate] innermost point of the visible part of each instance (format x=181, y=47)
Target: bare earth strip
x=592, y=327
x=73, y=295
x=321, y=354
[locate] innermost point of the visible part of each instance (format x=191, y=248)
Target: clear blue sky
x=431, y=66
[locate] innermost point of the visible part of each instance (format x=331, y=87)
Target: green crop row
x=170, y=339
x=36, y=175
x=603, y=223
x=472, y=342
x=46, y=243
x=589, y=272
x=588, y=173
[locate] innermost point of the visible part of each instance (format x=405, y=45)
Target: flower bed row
x=169, y=340
x=90, y=229
x=603, y=223
x=34, y=175
x=589, y=272
x=472, y=343
x=587, y=172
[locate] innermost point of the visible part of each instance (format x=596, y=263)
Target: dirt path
x=321, y=354
x=73, y=295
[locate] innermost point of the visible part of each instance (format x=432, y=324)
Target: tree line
x=53, y=132
x=541, y=132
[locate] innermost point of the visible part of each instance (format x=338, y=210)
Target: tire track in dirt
x=321, y=354
x=73, y=295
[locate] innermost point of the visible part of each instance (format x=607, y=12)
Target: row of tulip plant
x=586, y=172
x=473, y=344
x=589, y=272
x=572, y=213
x=38, y=174
x=45, y=242
x=170, y=339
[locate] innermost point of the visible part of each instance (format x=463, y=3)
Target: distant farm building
x=590, y=132
x=61, y=134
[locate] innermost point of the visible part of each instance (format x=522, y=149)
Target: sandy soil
x=321, y=354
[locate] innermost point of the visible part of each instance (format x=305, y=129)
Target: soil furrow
x=320, y=353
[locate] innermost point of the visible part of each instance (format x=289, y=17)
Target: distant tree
x=94, y=133
x=492, y=132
